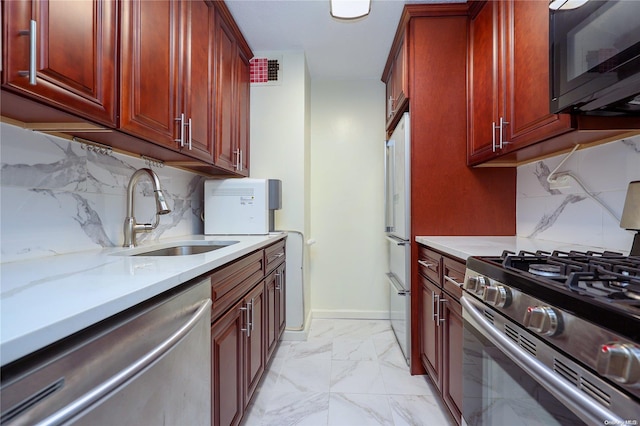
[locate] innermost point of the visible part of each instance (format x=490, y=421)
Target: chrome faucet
x=131, y=228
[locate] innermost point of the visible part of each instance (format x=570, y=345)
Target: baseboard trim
x=348, y=314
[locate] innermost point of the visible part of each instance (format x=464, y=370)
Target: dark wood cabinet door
x=254, y=356
x=526, y=83
x=281, y=289
x=149, y=70
x=224, y=155
x=243, y=83
x=430, y=352
x=483, y=82
x=227, y=349
x=198, y=24
x=75, y=55
x=452, y=340
x=271, y=333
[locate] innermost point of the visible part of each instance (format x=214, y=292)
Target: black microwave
x=595, y=56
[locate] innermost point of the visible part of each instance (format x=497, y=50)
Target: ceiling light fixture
x=350, y=9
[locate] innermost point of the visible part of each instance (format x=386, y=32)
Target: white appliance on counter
x=398, y=231
x=236, y=206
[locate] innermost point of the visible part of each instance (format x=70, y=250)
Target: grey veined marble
x=58, y=197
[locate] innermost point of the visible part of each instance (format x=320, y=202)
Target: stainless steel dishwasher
x=149, y=365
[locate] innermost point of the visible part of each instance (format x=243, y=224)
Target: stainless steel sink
x=180, y=249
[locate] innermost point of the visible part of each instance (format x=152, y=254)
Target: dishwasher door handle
x=113, y=383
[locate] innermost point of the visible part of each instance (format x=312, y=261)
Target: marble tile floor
x=347, y=373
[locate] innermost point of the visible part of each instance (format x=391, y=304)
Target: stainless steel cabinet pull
x=251, y=310
x=246, y=320
x=241, y=161
x=278, y=281
x=32, y=32
x=190, y=133
x=119, y=379
x=434, y=302
x=236, y=153
x=493, y=136
x=181, y=120
x=279, y=255
x=437, y=315
x=441, y=320
x=452, y=281
x=502, y=124
x=425, y=264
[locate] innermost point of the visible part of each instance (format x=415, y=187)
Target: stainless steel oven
x=537, y=352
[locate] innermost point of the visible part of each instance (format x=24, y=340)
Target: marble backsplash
x=570, y=215
x=57, y=197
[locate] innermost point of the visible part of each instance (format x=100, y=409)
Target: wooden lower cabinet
x=275, y=315
x=254, y=353
x=246, y=333
x=430, y=346
x=441, y=326
x=227, y=347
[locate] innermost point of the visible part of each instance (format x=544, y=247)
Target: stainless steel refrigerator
x=398, y=231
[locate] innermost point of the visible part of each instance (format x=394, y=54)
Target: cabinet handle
x=236, y=153
x=434, y=302
x=502, y=123
x=241, y=161
x=247, y=317
x=32, y=32
x=190, y=133
x=425, y=264
x=390, y=106
x=493, y=136
x=441, y=320
x=452, y=281
x=251, y=310
x=278, y=281
x=181, y=120
x=279, y=255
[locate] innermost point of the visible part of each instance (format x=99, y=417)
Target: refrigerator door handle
x=397, y=241
x=389, y=186
x=400, y=290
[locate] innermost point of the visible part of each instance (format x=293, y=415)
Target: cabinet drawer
x=453, y=276
x=429, y=264
x=274, y=255
x=231, y=282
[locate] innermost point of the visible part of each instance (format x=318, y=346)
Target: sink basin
x=180, y=249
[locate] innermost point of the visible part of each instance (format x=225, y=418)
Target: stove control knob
x=497, y=295
x=476, y=285
x=620, y=362
x=543, y=320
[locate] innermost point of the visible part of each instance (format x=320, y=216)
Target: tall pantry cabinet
x=447, y=196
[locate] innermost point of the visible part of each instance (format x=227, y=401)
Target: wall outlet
x=560, y=182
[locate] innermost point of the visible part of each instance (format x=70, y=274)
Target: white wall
x=347, y=174
x=569, y=215
x=280, y=116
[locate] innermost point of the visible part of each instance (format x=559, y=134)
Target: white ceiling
x=335, y=50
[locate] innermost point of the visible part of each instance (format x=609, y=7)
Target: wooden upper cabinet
x=232, y=95
x=149, y=70
x=509, y=79
x=395, y=78
x=75, y=55
x=199, y=73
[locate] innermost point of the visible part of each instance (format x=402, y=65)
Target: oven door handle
x=579, y=404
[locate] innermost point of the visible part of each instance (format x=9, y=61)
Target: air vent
x=488, y=315
x=565, y=371
x=511, y=333
x=266, y=71
x=520, y=340
x=595, y=392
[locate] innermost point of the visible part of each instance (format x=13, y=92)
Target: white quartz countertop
x=44, y=300
x=463, y=246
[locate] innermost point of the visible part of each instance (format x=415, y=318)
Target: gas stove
x=581, y=310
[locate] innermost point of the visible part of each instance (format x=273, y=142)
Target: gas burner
x=546, y=270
